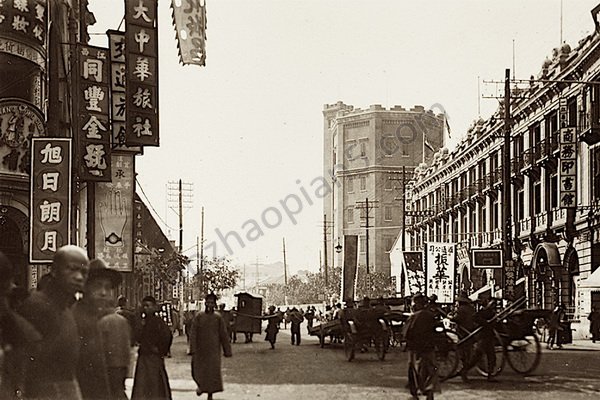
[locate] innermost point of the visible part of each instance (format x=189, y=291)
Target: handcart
x=362, y=327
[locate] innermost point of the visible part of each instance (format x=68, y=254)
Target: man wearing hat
x=207, y=337
x=97, y=301
x=273, y=321
x=464, y=318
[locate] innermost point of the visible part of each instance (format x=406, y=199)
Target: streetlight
x=338, y=247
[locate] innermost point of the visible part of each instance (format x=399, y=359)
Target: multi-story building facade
x=365, y=154
x=555, y=245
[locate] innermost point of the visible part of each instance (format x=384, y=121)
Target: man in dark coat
x=273, y=320
x=464, y=318
x=594, y=319
x=295, y=318
x=207, y=338
x=420, y=331
x=52, y=371
x=18, y=338
x=92, y=371
x=151, y=380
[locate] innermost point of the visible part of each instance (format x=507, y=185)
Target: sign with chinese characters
x=93, y=125
x=568, y=168
x=189, y=19
x=141, y=58
x=114, y=214
x=19, y=122
x=439, y=271
x=510, y=279
x=25, y=22
x=50, y=213
x=413, y=262
x=487, y=258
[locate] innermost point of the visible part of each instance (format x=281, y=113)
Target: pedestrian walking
x=420, y=331
x=18, y=338
x=464, y=317
x=486, y=339
x=310, y=316
x=92, y=371
x=154, y=337
x=594, y=319
x=115, y=332
x=52, y=370
x=295, y=319
x=555, y=327
x=273, y=320
x=208, y=338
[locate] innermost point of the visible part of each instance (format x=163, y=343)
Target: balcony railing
x=541, y=221
x=559, y=216
x=525, y=225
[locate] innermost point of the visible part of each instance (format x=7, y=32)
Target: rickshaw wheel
x=524, y=354
x=447, y=363
x=348, y=348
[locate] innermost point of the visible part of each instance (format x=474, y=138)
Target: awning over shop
x=550, y=250
x=592, y=281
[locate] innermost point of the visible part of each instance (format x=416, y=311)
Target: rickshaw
x=362, y=327
x=325, y=329
x=516, y=341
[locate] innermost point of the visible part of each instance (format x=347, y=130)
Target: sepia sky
x=247, y=129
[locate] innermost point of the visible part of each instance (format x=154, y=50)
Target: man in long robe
x=207, y=337
x=151, y=380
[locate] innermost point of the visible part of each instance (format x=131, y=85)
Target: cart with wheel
x=325, y=329
x=363, y=327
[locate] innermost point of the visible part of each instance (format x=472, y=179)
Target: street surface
x=308, y=372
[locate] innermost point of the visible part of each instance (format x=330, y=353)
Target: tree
x=165, y=267
x=218, y=274
x=373, y=285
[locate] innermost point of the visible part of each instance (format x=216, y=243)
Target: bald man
x=52, y=372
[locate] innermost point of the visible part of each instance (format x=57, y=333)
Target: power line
x=151, y=206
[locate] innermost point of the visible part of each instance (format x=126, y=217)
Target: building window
x=363, y=183
x=520, y=204
x=363, y=244
x=363, y=148
x=350, y=215
x=495, y=216
x=483, y=219
x=537, y=198
x=595, y=173
x=387, y=215
x=387, y=183
x=572, y=111
x=350, y=184
x=554, y=191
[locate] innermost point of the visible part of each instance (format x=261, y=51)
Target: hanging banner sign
x=487, y=258
x=439, y=271
x=413, y=262
x=93, y=126
x=50, y=213
x=118, y=95
x=141, y=58
x=189, y=20
x=23, y=29
x=568, y=168
x=114, y=220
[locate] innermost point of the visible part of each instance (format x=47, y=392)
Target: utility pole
x=179, y=196
x=326, y=226
x=201, y=270
x=506, y=186
x=284, y=266
x=366, y=206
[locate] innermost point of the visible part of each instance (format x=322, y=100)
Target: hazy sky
x=246, y=129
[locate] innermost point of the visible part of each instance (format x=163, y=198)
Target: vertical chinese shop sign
x=568, y=168
x=189, y=19
x=141, y=54
x=94, y=130
x=50, y=216
x=439, y=272
x=114, y=214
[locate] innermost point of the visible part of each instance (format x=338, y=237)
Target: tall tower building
x=364, y=155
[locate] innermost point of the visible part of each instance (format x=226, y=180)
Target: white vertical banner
x=440, y=271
